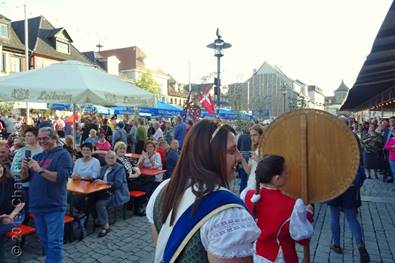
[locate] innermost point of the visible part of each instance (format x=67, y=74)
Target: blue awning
x=162, y=109
x=60, y=106
x=226, y=114
x=121, y=110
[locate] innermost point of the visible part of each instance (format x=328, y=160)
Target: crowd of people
x=41, y=158
x=200, y=159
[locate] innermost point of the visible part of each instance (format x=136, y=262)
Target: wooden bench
x=68, y=222
x=16, y=234
x=133, y=195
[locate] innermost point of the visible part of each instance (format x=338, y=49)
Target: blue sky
x=320, y=42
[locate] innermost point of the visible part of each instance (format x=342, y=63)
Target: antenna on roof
x=99, y=46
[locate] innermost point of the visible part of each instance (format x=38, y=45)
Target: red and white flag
x=206, y=100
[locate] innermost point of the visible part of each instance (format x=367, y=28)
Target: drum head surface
x=320, y=151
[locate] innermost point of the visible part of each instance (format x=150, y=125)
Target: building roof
x=375, y=83
x=265, y=68
x=41, y=34
x=96, y=58
x=342, y=87
x=129, y=57
x=57, y=32
x=13, y=41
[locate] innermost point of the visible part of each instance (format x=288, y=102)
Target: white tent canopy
x=72, y=82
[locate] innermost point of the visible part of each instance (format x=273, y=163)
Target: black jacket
x=6, y=191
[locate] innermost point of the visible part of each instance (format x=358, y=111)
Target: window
x=3, y=30
x=63, y=47
x=15, y=64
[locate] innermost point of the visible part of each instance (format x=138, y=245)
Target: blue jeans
x=351, y=216
x=50, y=229
x=102, y=213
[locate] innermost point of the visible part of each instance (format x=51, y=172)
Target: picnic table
x=83, y=187
x=151, y=172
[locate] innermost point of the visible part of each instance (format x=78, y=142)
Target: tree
x=5, y=107
x=147, y=82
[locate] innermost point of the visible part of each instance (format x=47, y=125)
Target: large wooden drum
x=321, y=153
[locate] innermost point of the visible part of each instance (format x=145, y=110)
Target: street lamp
x=284, y=92
x=218, y=45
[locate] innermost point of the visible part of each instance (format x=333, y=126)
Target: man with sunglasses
x=47, y=173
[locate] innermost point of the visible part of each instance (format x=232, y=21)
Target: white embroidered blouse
x=228, y=234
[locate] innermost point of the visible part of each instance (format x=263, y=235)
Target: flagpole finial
x=218, y=33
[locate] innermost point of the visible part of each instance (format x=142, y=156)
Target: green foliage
x=6, y=107
x=147, y=82
x=242, y=125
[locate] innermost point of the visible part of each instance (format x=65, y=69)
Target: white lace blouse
x=228, y=234
x=251, y=183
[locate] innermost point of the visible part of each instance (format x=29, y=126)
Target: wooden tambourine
x=320, y=151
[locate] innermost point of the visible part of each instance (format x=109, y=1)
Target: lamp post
x=218, y=45
x=284, y=92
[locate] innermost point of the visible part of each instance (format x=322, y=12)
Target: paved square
x=130, y=240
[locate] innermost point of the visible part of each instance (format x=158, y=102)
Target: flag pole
x=26, y=56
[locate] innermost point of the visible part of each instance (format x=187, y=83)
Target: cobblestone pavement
x=130, y=240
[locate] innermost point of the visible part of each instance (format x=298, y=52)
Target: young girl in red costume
x=282, y=219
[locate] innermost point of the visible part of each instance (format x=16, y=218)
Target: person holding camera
x=30, y=149
x=47, y=173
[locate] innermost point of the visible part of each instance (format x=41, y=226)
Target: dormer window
x=63, y=46
x=4, y=30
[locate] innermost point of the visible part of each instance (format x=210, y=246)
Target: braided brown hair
x=268, y=167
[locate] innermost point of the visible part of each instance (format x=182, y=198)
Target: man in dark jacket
x=47, y=173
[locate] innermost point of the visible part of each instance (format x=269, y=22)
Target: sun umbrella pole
x=74, y=127
x=304, y=177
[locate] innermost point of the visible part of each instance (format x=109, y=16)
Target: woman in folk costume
x=194, y=217
x=282, y=219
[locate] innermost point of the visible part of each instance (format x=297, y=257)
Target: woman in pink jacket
x=390, y=147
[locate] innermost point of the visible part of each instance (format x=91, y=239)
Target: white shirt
x=158, y=134
x=228, y=234
x=251, y=183
x=154, y=162
x=106, y=173
x=90, y=168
